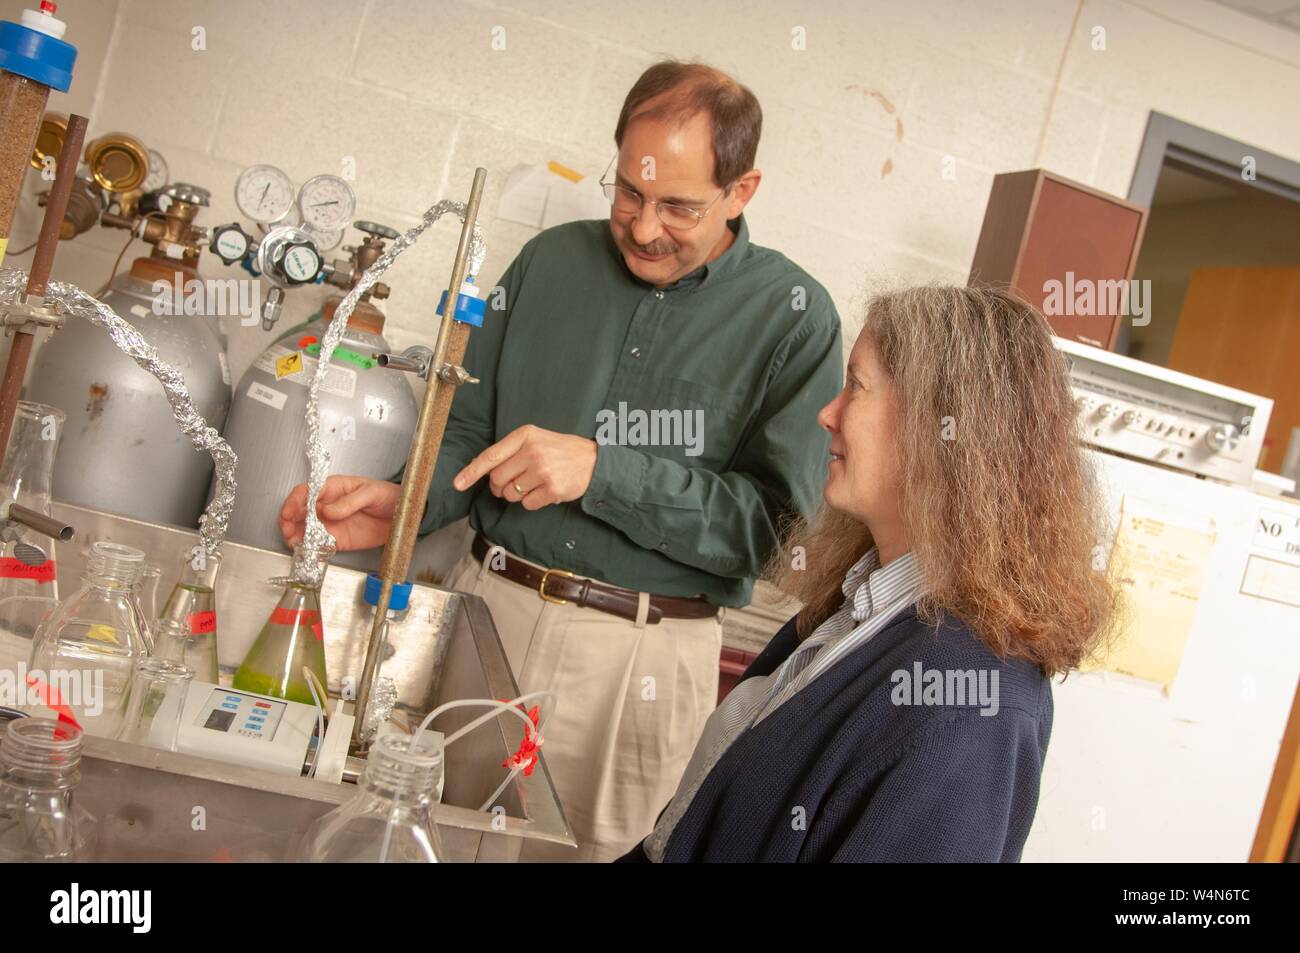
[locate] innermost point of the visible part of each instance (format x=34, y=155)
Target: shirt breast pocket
x=697, y=424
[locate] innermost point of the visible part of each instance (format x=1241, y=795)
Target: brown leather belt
x=563, y=587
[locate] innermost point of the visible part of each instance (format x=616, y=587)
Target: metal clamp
x=31, y=309
x=541, y=587
x=455, y=374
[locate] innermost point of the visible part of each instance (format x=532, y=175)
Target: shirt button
x=635, y=352
x=663, y=547
x=569, y=544
x=599, y=504
x=659, y=295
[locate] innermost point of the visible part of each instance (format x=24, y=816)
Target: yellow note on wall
x=1158, y=562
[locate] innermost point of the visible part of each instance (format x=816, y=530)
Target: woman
x=904, y=713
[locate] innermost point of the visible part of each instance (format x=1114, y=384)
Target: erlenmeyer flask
x=390, y=818
x=27, y=564
x=292, y=637
x=87, y=649
x=193, y=604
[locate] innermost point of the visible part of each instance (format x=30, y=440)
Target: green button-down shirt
x=747, y=346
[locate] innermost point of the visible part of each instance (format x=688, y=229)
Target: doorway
x=1222, y=253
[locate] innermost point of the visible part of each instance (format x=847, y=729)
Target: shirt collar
x=883, y=584
x=727, y=261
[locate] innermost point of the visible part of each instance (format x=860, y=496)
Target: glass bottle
x=88, y=647
x=27, y=564
x=156, y=703
x=390, y=818
x=40, y=819
x=193, y=603
x=292, y=638
x=146, y=600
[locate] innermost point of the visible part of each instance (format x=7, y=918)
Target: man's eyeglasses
x=678, y=217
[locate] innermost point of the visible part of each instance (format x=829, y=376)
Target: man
x=642, y=426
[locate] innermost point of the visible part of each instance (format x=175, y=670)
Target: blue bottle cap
x=398, y=600
x=36, y=56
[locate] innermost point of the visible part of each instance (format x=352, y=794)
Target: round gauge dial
x=301, y=263
x=264, y=193
x=326, y=203
x=325, y=241
x=157, y=177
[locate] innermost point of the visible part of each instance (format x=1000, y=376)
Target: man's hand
x=357, y=511
x=534, y=466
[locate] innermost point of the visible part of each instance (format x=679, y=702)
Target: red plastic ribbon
x=526, y=756
x=283, y=616
x=202, y=623
x=11, y=568
x=51, y=699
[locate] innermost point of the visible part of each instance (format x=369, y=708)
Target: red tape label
x=11, y=568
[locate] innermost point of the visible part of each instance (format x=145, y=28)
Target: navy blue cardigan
x=841, y=773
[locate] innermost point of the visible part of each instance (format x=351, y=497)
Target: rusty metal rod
x=453, y=337
x=38, y=277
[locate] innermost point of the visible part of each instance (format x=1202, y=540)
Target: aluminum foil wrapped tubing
x=317, y=543
x=75, y=302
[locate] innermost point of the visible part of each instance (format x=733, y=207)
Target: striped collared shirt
x=873, y=595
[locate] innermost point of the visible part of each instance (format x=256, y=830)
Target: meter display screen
x=236, y=713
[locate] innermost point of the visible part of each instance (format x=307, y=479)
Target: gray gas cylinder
x=368, y=416
x=121, y=449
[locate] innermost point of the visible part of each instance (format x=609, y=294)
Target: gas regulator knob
x=1107, y=411
x=184, y=192
x=1222, y=437
x=299, y=263
x=379, y=231
x=230, y=243
x=1130, y=418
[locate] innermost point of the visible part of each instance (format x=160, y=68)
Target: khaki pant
x=631, y=702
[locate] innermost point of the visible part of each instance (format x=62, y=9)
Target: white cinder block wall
x=864, y=104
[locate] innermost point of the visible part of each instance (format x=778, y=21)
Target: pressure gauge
x=264, y=193
x=326, y=203
x=158, y=172
x=325, y=241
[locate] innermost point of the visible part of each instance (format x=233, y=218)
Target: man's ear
x=742, y=192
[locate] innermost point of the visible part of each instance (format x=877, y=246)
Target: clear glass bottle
x=193, y=603
x=293, y=637
x=27, y=565
x=390, y=818
x=156, y=702
x=89, y=645
x=40, y=819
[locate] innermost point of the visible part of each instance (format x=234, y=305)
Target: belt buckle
x=541, y=587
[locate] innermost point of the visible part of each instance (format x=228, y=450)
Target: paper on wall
x=1158, y=562
x=541, y=196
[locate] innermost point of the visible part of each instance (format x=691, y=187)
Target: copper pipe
x=38, y=277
